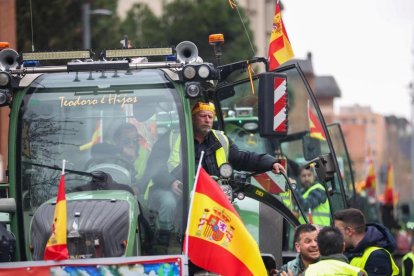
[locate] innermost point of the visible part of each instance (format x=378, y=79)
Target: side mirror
x=7, y=205
x=311, y=147
x=324, y=167
x=273, y=104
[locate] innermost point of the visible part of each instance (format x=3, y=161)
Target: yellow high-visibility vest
x=333, y=267
x=321, y=215
x=222, y=153
x=409, y=255
x=361, y=261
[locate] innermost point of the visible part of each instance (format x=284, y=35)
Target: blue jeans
x=166, y=203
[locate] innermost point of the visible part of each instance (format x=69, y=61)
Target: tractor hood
x=98, y=224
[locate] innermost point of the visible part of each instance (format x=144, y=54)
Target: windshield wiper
x=57, y=168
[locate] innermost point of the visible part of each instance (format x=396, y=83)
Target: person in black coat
x=368, y=245
x=208, y=140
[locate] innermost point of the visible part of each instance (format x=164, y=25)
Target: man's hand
x=278, y=168
x=177, y=188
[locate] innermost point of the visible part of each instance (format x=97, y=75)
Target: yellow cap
x=200, y=106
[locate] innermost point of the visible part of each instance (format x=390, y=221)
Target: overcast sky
x=367, y=45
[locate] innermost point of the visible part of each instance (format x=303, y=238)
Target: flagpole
x=63, y=166
x=191, y=203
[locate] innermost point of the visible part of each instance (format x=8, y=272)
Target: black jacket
x=379, y=262
x=238, y=159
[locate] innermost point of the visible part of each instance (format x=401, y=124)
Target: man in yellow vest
x=368, y=246
x=313, y=199
x=408, y=262
x=332, y=262
x=218, y=149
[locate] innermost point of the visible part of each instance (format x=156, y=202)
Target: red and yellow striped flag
x=56, y=247
x=315, y=127
x=217, y=239
x=280, y=49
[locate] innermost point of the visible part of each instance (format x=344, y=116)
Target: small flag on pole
x=389, y=188
x=56, y=247
x=315, y=126
x=371, y=180
x=280, y=49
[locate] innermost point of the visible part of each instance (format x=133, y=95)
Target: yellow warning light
x=4, y=45
x=215, y=38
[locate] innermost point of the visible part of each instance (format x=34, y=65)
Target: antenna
x=233, y=5
x=31, y=23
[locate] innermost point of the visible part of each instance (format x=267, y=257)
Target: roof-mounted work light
x=59, y=55
x=135, y=52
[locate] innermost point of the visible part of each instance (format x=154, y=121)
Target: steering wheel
x=121, y=170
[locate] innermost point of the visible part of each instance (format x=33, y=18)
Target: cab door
x=309, y=141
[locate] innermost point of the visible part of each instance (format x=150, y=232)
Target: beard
x=203, y=130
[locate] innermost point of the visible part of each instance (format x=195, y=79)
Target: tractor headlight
x=5, y=79
x=226, y=170
x=200, y=72
x=192, y=89
x=5, y=97
x=189, y=72
x=204, y=71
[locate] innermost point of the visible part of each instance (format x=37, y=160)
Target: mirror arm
x=324, y=167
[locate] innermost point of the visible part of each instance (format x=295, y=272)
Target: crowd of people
x=350, y=247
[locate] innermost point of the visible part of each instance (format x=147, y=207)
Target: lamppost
x=86, y=18
x=412, y=138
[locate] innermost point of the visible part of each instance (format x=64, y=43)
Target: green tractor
x=69, y=105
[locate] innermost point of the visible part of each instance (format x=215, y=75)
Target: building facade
x=386, y=139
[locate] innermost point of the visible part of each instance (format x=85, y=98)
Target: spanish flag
x=371, y=179
x=56, y=247
x=280, y=49
x=315, y=126
x=216, y=238
x=389, y=197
